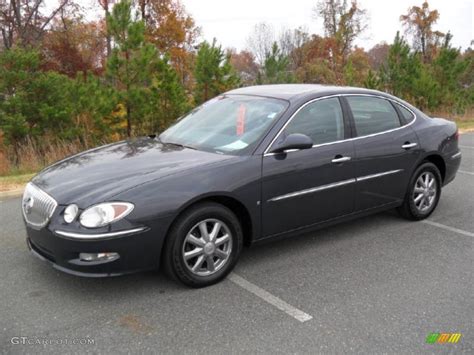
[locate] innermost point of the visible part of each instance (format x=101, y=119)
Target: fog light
x=98, y=256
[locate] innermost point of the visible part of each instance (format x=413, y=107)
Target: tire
x=419, y=201
x=193, y=233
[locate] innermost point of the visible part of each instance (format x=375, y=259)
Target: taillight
x=456, y=135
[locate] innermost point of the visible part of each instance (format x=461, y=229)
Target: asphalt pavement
x=380, y=284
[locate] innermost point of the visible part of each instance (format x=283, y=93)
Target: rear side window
x=372, y=114
x=407, y=115
x=321, y=120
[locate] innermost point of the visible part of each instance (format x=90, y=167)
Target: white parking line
x=465, y=172
x=466, y=147
x=268, y=297
x=448, y=228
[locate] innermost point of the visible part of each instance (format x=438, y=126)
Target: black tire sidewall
x=415, y=213
x=178, y=234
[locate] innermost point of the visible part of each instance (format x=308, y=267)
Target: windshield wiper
x=179, y=145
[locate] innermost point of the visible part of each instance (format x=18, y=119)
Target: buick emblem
x=28, y=204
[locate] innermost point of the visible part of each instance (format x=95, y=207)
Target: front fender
x=164, y=199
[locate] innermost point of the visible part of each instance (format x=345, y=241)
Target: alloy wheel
x=207, y=247
x=425, y=191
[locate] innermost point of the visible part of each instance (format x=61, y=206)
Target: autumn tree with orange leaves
x=74, y=47
x=419, y=23
x=343, y=22
x=245, y=65
x=172, y=30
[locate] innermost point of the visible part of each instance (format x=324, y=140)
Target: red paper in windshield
x=240, y=124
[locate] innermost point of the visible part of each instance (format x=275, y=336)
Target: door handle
x=340, y=159
x=409, y=145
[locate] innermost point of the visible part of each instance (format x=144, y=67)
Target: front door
x=304, y=187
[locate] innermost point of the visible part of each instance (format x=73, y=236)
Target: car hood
x=98, y=174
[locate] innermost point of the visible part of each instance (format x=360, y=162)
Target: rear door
x=304, y=187
x=386, y=150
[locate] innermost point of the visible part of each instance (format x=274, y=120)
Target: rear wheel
x=203, y=245
x=423, y=193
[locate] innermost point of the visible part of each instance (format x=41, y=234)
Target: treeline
x=67, y=84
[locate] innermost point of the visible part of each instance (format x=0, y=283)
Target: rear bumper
x=137, y=251
x=452, y=165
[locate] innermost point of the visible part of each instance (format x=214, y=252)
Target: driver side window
x=321, y=120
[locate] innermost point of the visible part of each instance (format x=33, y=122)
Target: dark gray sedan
x=251, y=165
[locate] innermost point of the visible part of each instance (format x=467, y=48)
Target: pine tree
x=213, y=73
x=349, y=73
x=404, y=75
x=276, y=68
x=169, y=94
x=131, y=62
x=372, y=81
x=448, y=68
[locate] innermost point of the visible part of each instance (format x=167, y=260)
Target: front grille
x=37, y=206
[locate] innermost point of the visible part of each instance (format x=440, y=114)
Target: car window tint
x=407, y=115
x=321, y=120
x=372, y=114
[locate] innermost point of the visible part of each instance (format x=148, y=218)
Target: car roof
x=292, y=92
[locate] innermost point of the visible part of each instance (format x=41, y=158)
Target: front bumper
x=137, y=251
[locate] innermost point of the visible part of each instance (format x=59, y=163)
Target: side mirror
x=293, y=141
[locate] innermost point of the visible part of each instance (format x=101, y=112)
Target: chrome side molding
x=313, y=189
x=457, y=155
x=333, y=185
x=374, y=176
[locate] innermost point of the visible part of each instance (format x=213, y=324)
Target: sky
x=232, y=21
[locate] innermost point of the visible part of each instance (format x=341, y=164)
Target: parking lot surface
x=377, y=284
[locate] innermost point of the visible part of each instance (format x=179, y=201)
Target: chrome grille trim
x=37, y=206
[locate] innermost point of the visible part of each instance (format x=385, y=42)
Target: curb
x=11, y=193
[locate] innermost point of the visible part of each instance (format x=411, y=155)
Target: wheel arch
x=438, y=161
x=237, y=207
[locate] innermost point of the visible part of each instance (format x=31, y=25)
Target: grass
x=14, y=182
x=464, y=121
x=465, y=125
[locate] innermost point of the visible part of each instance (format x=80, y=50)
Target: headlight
x=70, y=213
x=105, y=213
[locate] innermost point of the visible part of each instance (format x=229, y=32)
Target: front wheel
x=424, y=191
x=203, y=245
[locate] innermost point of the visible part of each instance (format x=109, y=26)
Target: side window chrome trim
x=265, y=153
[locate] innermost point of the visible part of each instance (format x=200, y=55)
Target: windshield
x=228, y=124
